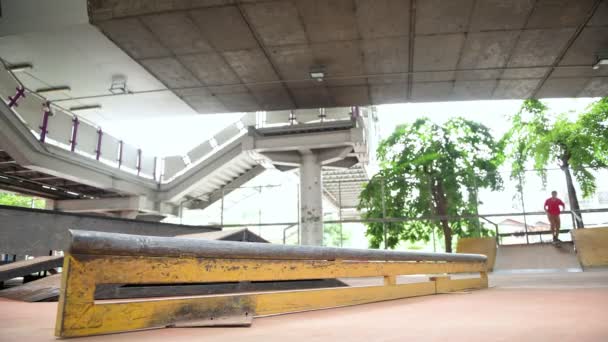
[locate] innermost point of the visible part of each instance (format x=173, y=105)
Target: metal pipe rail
x=101, y=243
x=96, y=258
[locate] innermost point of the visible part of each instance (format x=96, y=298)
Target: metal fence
x=271, y=209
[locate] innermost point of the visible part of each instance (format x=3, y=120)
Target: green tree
x=574, y=146
x=428, y=170
x=15, y=200
x=333, y=237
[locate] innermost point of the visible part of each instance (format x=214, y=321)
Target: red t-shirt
x=552, y=205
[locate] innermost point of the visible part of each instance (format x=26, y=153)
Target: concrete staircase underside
x=229, y=167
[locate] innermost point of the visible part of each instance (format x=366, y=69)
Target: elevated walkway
x=47, y=147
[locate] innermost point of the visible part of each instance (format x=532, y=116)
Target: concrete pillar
x=311, y=200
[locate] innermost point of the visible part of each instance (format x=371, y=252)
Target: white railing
x=57, y=126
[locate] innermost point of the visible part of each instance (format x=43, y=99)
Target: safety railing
x=174, y=166
x=58, y=126
x=96, y=258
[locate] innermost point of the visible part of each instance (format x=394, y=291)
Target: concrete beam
x=285, y=158
x=331, y=155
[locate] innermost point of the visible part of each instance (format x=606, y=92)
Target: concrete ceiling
x=65, y=50
x=231, y=55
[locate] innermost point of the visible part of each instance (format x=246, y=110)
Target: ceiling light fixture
x=53, y=90
x=317, y=73
x=86, y=107
x=601, y=58
x=119, y=85
x=20, y=67
x=600, y=62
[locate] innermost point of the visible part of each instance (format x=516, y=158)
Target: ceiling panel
x=562, y=87
x=272, y=96
x=328, y=20
x=439, y=16
x=559, y=13
x=251, y=65
x=277, y=23
x=388, y=93
x=432, y=91
x=210, y=68
x=597, y=87
x=515, y=89
x=487, y=49
x=473, y=90
x=383, y=18
x=293, y=62
x=339, y=58
x=171, y=72
x=438, y=52
x=224, y=28
x=586, y=45
x=500, y=14
x=177, y=32
x=539, y=47
x=385, y=55
x=350, y=96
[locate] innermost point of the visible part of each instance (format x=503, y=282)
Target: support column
x=311, y=200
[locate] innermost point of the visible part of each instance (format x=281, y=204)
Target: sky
x=492, y=113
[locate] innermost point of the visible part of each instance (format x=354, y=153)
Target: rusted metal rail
x=96, y=258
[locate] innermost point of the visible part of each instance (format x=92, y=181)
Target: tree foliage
x=574, y=146
x=428, y=170
x=333, y=236
x=15, y=200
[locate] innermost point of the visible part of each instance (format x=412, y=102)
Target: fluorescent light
x=86, y=107
x=20, y=67
x=317, y=75
x=53, y=90
x=600, y=62
x=317, y=72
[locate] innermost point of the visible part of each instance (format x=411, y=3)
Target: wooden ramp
x=40, y=290
x=26, y=267
x=537, y=257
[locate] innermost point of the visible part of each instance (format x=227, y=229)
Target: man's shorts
x=554, y=221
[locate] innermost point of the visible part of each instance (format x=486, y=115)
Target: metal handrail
x=101, y=243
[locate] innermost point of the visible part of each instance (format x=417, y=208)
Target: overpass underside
x=243, y=55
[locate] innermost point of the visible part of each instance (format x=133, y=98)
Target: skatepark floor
x=528, y=306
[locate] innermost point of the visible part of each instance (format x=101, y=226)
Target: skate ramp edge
x=485, y=246
x=592, y=246
x=537, y=257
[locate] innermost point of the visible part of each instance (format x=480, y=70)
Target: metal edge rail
x=101, y=243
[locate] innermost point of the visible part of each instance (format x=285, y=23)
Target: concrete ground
x=524, y=307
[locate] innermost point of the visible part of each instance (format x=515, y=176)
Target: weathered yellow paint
x=79, y=315
x=446, y=284
x=591, y=246
x=140, y=270
x=485, y=246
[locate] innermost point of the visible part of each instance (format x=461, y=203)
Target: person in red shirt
x=552, y=209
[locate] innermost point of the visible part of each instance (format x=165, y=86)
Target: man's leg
x=558, y=224
x=552, y=225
